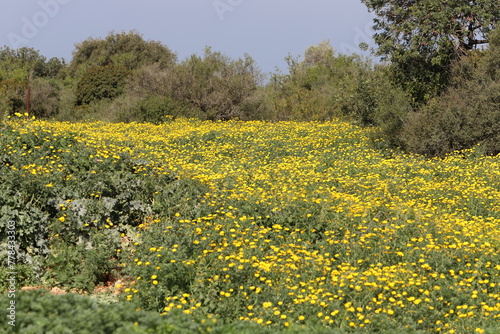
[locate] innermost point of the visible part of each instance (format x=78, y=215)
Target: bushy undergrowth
x=41, y=312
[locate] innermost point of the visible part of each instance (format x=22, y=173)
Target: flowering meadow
x=299, y=224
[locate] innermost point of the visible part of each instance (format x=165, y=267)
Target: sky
x=267, y=30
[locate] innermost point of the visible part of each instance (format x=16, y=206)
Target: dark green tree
x=466, y=114
x=128, y=50
x=423, y=38
x=100, y=82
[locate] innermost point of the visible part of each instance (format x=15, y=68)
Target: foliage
x=12, y=96
x=157, y=109
x=215, y=84
x=24, y=66
x=101, y=82
x=41, y=312
x=44, y=98
x=151, y=80
x=468, y=113
x=70, y=204
x=320, y=87
x=127, y=50
x=23, y=62
x=423, y=38
x=325, y=86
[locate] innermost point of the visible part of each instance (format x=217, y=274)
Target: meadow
x=287, y=224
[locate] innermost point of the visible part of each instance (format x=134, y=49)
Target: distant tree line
x=437, y=90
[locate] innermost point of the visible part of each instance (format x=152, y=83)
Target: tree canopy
x=17, y=68
x=128, y=50
x=423, y=38
x=216, y=84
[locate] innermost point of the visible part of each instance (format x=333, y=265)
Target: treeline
x=124, y=78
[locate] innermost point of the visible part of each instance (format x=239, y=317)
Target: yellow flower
x=267, y=304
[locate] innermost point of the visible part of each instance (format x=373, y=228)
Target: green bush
x=321, y=87
x=44, y=98
x=390, y=107
x=41, y=312
x=453, y=123
x=216, y=85
x=467, y=114
x=154, y=108
x=100, y=82
x=124, y=49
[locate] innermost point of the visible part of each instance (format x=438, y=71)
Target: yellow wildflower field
x=309, y=223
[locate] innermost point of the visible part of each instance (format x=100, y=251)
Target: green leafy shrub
x=468, y=113
x=155, y=108
x=40, y=312
x=215, y=84
x=44, y=98
x=100, y=82
x=125, y=49
x=319, y=87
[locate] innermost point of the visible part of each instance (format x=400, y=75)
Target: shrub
x=154, y=108
x=12, y=96
x=468, y=113
x=101, y=82
x=453, y=123
x=41, y=312
x=324, y=86
x=215, y=84
x=44, y=98
x=125, y=49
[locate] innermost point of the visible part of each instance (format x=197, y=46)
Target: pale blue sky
x=268, y=30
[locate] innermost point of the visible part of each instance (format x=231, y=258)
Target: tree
x=100, y=82
x=128, y=50
x=466, y=114
x=319, y=87
x=215, y=84
x=423, y=38
x=19, y=67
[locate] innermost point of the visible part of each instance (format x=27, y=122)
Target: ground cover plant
x=298, y=224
